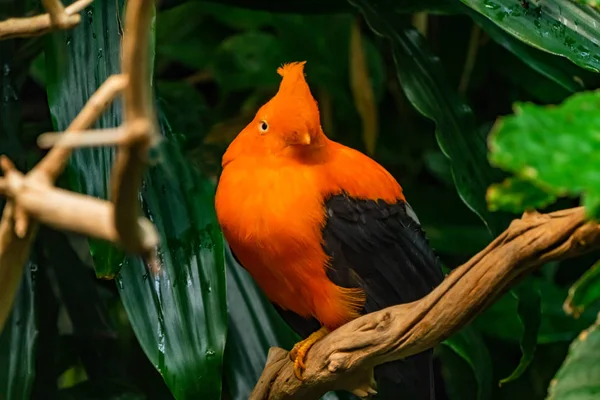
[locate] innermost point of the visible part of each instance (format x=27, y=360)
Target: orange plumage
x=270, y=201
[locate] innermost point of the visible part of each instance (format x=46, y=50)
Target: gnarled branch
x=344, y=359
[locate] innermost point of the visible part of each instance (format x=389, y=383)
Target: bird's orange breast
x=273, y=225
x=272, y=216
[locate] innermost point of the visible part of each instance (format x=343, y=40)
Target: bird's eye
x=263, y=126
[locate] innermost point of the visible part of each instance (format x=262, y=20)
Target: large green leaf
x=563, y=28
x=557, y=148
x=18, y=342
x=555, y=68
x=579, y=376
x=179, y=314
x=77, y=62
x=469, y=345
x=424, y=83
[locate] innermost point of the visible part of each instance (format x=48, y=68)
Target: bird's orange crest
x=293, y=108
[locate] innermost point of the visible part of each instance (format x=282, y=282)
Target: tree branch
x=344, y=359
x=58, y=17
x=140, y=124
x=33, y=195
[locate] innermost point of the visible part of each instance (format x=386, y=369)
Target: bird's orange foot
x=298, y=353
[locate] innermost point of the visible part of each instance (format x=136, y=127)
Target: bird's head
x=289, y=123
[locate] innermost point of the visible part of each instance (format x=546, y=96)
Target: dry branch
x=344, y=359
x=34, y=196
x=139, y=122
x=58, y=17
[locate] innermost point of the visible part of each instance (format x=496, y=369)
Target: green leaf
x=179, y=314
x=529, y=310
x=422, y=79
x=563, y=28
x=579, y=376
x=585, y=292
x=77, y=62
x=517, y=195
x=469, y=345
x=18, y=342
x=561, y=71
x=558, y=148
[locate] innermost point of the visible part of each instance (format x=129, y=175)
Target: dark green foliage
x=194, y=332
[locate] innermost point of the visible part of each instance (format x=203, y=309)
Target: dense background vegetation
x=422, y=104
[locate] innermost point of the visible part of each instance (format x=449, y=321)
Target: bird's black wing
x=382, y=249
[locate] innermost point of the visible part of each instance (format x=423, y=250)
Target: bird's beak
x=299, y=138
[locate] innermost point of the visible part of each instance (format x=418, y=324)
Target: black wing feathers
x=379, y=247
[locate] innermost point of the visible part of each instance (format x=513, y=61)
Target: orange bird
x=324, y=230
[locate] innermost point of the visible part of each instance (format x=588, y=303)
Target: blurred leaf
x=188, y=114
x=95, y=338
x=289, y=6
x=90, y=391
x=584, y=292
x=423, y=81
x=517, y=195
x=439, y=166
x=334, y=6
x=247, y=60
x=469, y=344
x=179, y=314
x=579, y=376
x=564, y=28
x=555, y=68
x=458, y=375
x=529, y=310
x=556, y=147
x=77, y=62
x=191, y=41
x=18, y=341
x=502, y=321
x=362, y=88
x=238, y=18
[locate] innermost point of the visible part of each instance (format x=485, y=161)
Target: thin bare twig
x=91, y=138
x=58, y=17
x=140, y=124
x=344, y=360
x=54, y=163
